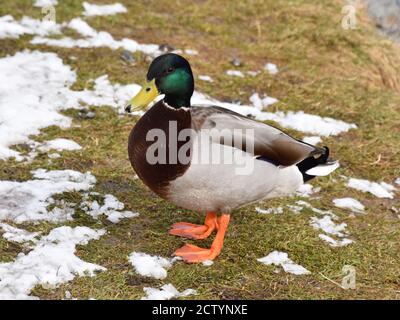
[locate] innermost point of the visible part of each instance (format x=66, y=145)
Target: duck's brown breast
x=164, y=118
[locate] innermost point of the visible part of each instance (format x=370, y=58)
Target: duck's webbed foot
x=191, y=253
x=195, y=231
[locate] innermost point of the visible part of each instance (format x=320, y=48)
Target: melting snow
x=294, y=208
x=18, y=235
x=150, y=266
x=277, y=210
x=306, y=190
x=105, y=93
x=305, y=204
x=32, y=90
x=27, y=201
x=335, y=243
x=235, y=73
x=253, y=73
x=94, y=39
x=45, y=3
x=271, y=68
x=300, y=121
x=262, y=103
x=111, y=209
x=380, y=190
x=207, y=263
x=191, y=52
x=167, y=292
x=281, y=259
x=34, y=87
x=103, y=10
x=349, y=203
x=59, y=144
x=82, y=27
x=11, y=28
x=205, y=78
x=51, y=262
x=54, y=155
x=327, y=225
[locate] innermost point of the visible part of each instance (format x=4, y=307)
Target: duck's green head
x=169, y=74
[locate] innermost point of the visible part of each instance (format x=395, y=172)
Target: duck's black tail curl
x=322, y=161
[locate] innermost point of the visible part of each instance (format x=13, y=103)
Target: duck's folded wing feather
x=251, y=136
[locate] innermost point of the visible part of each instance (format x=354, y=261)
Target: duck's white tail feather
x=323, y=169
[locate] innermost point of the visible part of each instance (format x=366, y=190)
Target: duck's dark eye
x=170, y=69
x=148, y=89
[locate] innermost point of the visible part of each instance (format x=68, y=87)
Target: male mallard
x=277, y=163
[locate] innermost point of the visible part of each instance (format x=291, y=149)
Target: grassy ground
x=347, y=74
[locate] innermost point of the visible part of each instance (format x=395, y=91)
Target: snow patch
x=82, y=27
x=59, y=144
x=166, y=292
x=300, y=121
x=18, y=235
x=28, y=201
x=191, y=52
x=271, y=68
x=349, y=203
x=380, y=190
x=333, y=242
x=277, y=210
x=34, y=87
x=253, y=73
x=208, y=263
x=11, y=28
x=150, y=266
x=306, y=190
x=103, y=10
x=205, y=78
x=262, y=103
x=235, y=73
x=279, y=258
x=45, y=3
x=95, y=39
x=327, y=225
x=294, y=208
x=54, y=155
x=51, y=262
x=111, y=209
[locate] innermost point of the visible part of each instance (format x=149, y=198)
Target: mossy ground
x=352, y=75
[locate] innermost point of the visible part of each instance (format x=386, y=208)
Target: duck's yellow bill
x=145, y=96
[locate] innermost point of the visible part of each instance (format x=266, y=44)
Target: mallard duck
x=279, y=164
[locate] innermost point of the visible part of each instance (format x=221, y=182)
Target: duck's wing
x=258, y=138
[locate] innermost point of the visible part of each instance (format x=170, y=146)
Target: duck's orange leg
x=191, y=253
x=195, y=231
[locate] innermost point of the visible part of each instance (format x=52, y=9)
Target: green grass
x=351, y=75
